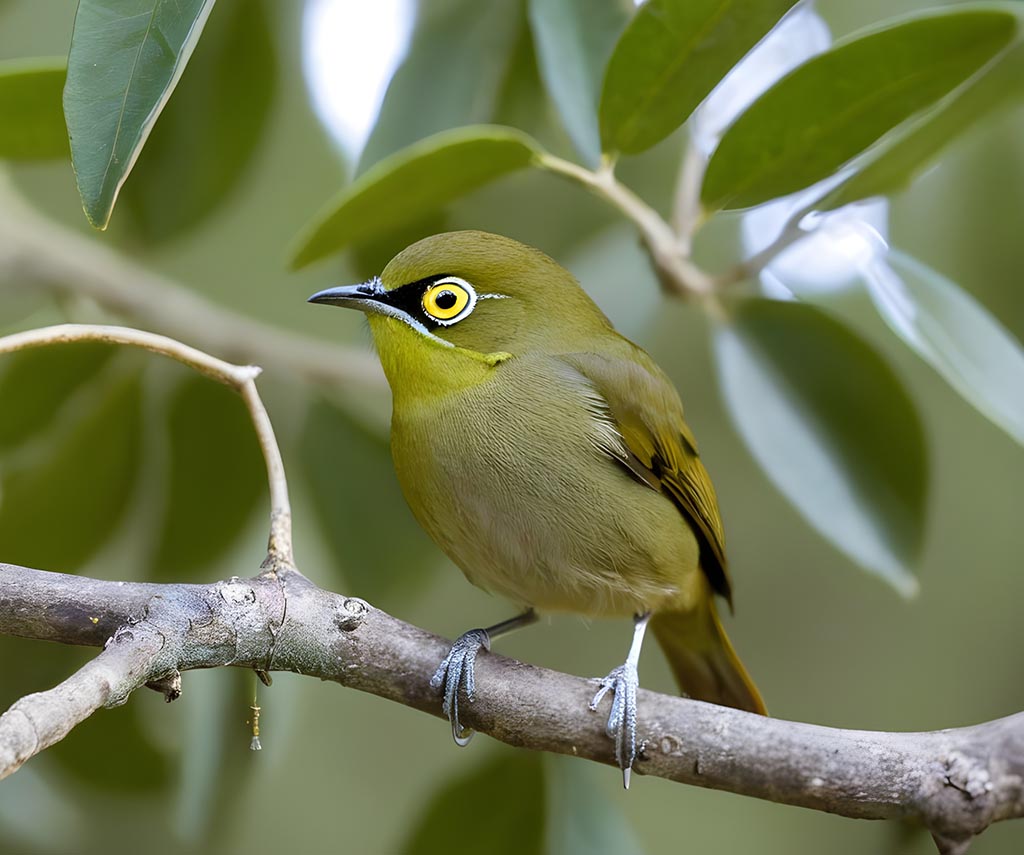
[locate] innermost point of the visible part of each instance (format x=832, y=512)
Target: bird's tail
x=703, y=660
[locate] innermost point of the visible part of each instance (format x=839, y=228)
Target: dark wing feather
x=662, y=451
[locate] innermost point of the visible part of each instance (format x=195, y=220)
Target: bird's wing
x=661, y=449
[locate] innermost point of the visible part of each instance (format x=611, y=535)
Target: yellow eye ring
x=448, y=301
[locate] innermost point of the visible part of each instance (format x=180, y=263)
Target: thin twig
x=239, y=377
x=235, y=376
x=792, y=232
x=686, y=210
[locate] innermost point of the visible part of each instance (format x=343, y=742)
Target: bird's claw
x=623, y=683
x=457, y=670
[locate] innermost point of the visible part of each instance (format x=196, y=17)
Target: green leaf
x=451, y=74
x=57, y=513
x=376, y=543
x=126, y=58
x=35, y=383
x=580, y=816
x=834, y=106
x=208, y=134
x=454, y=73
x=892, y=167
x=672, y=54
x=215, y=480
x=954, y=334
x=498, y=808
x=33, y=124
x=414, y=182
x=574, y=39
x=832, y=427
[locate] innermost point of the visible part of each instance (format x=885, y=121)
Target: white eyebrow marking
x=493, y=297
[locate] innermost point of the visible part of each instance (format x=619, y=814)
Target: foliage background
x=342, y=771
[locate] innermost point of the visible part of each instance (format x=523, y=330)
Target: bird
x=548, y=456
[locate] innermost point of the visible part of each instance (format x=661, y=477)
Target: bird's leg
x=457, y=669
x=623, y=682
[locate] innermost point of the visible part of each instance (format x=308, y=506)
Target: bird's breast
x=514, y=480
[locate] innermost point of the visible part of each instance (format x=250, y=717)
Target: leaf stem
x=678, y=274
x=687, y=214
x=792, y=233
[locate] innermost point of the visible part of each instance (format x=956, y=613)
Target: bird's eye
x=449, y=300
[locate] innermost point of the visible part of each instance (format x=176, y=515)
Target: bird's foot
x=457, y=670
x=623, y=683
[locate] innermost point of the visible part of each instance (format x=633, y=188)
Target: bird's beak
x=367, y=297
x=373, y=299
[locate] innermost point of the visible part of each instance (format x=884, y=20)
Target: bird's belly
x=529, y=508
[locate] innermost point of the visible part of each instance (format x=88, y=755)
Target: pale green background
x=345, y=772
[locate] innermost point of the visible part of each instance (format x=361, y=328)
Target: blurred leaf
x=580, y=817
x=363, y=516
x=498, y=808
x=899, y=160
x=954, y=334
x=35, y=383
x=451, y=75
x=32, y=795
x=126, y=58
x=574, y=39
x=29, y=666
x=551, y=215
x=522, y=101
x=370, y=256
x=832, y=427
x=215, y=759
x=455, y=71
x=33, y=123
x=837, y=104
x=672, y=54
x=215, y=481
x=58, y=512
x=18, y=305
x=207, y=136
x=606, y=259
x=412, y=183
x=111, y=751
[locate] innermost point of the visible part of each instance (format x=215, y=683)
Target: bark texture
x=955, y=782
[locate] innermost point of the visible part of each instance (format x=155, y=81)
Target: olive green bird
x=548, y=456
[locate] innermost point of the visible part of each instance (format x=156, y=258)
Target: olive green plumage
x=547, y=455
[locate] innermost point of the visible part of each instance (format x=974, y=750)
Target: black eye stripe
x=409, y=298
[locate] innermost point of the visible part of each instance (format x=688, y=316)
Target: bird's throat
x=418, y=366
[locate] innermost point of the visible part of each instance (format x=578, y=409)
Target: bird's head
x=472, y=291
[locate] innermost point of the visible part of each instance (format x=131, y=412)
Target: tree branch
x=956, y=782
x=37, y=721
x=36, y=252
